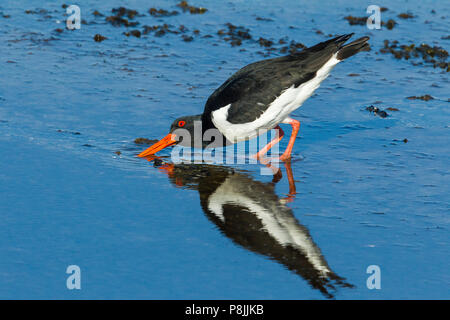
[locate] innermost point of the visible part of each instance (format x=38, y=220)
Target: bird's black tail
x=353, y=48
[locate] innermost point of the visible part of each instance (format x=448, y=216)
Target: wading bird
x=262, y=95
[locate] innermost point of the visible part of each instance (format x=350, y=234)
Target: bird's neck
x=207, y=122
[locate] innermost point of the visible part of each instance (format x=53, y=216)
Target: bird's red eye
x=181, y=123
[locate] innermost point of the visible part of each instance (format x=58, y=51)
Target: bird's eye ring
x=181, y=123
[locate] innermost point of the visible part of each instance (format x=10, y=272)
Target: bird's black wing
x=252, y=89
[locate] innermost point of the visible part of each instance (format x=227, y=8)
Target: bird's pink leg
x=292, y=189
x=263, y=151
x=295, y=127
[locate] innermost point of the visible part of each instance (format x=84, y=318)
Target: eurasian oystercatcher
x=262, y=95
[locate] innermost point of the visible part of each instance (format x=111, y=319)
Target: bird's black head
x=182, y=131
x=186, y=129
x=186, y=123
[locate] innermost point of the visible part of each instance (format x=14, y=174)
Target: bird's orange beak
x=161, y=144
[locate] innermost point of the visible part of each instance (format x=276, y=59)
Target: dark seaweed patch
x=265, y=42
x=75, y=133
x=264, y=19
x=99, y=38
x=162, y=13
x=122, y=11
x=293, y=47
x=435, y=56
x=161, y=30
x=187, y=38
x=426, y=97
x=235, y=34
x=119, y=20
x=404, y=140
x=37, y=11
x=144, y=141
x=135, y=33
x=377, y=111
x=191, y=9
x=390, y=24
x=97, y=13
x=405, y=16
x=361, y=21
x=356, y=21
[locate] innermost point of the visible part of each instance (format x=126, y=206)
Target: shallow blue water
x=364, y=197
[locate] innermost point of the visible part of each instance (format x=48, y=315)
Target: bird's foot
x=265, y=160
x=285, y=157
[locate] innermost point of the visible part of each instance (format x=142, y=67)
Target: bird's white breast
x=289, y=100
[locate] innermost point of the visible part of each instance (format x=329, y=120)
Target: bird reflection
x=250, y=213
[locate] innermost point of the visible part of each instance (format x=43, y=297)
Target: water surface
x=139, y=231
